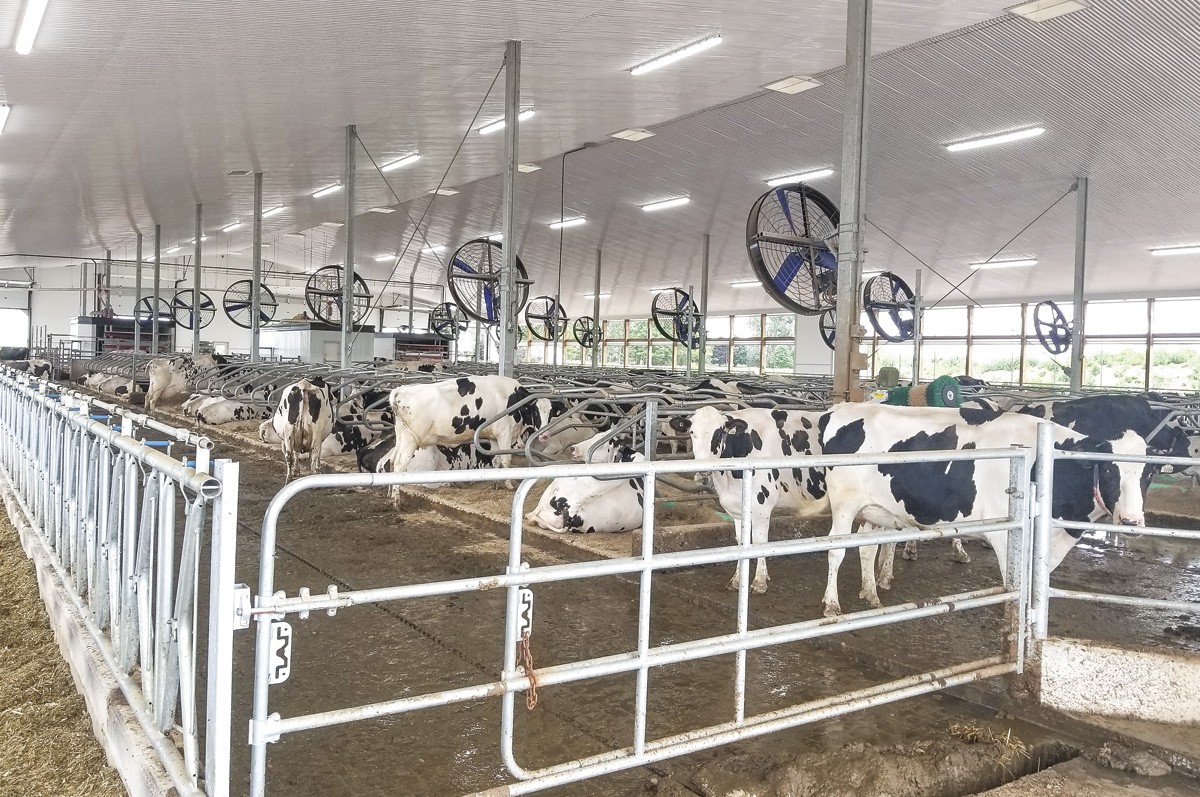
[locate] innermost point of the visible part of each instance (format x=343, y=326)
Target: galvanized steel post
x=157, y=288
x=508, y=272
x=1039, y=602
x=219, y=715
x=703, y=305
x=599, y=335
x=196, y=281
x=256, y=269
x=854, y=137
x=137, y=294
x=1077, y=339
x=348, y=269
x=917, y=310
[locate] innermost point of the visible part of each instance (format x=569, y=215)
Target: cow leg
x=886, y=565
x=402, y=455
x=910, y=550
x=504, y=441
x=960, y=555
x=843, y=523
x=866, y=562
x=314, y=459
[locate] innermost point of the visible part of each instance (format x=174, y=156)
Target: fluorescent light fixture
x=383, y=258
x=802, y=177
x=381, y=209
x=745, y=284
x=660, y=290
x=275, y=211
x=667, y=203
x=492, y=127
x=444, y=191
x=231, y=227
x=1165, y=251
x=327, y=190
x=1042, y=10
x=793, y=85
x=34, y=9
x=172, y=250
x=432, y=250
x=633, y=134
x=675, y=55
x=4, y=109
x=332, y=224
x=997, y=138
x=202, y=239
x=402, y=162
x=1005, y=263
x=603, y=295
x=526, y=168
x=573, y=222
x=496, y=236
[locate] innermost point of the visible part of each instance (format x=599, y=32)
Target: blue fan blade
x=233, y=308
x=781, y=195
x=826, y=260
x=787, y=271
x=460, y=264
x=489, y=302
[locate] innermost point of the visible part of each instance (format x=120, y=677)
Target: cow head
x=1088, y=488
x=544, y=411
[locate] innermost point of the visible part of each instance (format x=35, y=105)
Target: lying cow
x=932, y=493
x=584, y=504
x=173, y=377
x=38, y=369
x=377, y=458
x=217, y=410
x=758, y=434
x=301, y=423
x=449, y=412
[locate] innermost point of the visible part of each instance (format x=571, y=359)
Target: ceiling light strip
x=667, y=203
x=1021, y=263
x=675, y=55
x=4, y=109
x=1166, y=251
x=492, y=127
x=34, y=10
x=996, y=138
x=572, y=222
x=401, y=162
x=327, y=190
x=802, y=177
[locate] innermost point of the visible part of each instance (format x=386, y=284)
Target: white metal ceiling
x=130, y=113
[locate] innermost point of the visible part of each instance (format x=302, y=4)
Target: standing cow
x=301, y=423
x=932, y=493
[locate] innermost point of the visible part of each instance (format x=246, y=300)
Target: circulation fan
x=473, y=275
x=185, y=309
x=586, y=331
x=323, y=293
x=1052, y=327
x=447, y=321
x=676, y=318
x=144, y=312
x=238, y=308
x=791, y=237
x=546, y=318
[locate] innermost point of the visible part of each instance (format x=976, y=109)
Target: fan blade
x=788, y=270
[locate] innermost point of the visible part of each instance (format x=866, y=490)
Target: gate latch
x=524, y=612
x=241, y=606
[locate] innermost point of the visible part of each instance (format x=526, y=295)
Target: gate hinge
x=241, y=606
x=265, y=732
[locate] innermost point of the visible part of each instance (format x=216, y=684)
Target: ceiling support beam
x=256, y=270
x=847, y=358
x=348, y=269
x=137, y=295
x=1077, y=336
x=508, y=216
x=599, y=334
x=196, y=281
x=157, y=290
x=704, y=251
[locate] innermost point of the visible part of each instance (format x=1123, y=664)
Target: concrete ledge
x=126, y=746
x=1105, y=680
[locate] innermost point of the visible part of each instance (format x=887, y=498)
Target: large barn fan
x=546, y=318
x=447, y=320
x=237, y=303
x=473, y=274
x=676, y=318
x=494, y=333
x=791, y=236
x=586, y=331
x=888, y=302
x=144, y=312
x=186, y=310
x=827, y=323
x=324, y=297
x=1052, y=327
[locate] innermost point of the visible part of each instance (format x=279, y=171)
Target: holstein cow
x=376, y=457
x=1109, y=416
x=173, y=377
x=584, y=504
x=302, y=422
x=218, y=410
x=758, y=434
x=449, y=412
x=930, y=493
x=39, y=369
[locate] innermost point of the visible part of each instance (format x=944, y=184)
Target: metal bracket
x=524, y=612
x=241, y=606
x=265, y=732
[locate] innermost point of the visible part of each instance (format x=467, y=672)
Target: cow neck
x=1096, y=488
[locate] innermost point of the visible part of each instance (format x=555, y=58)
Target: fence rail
x=122, y=523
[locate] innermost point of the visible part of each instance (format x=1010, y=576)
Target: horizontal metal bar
x=623, y=566
x=1143, y=531
x=726, y=733
x=657, y=657
x=791, y=240
x=1125, y=600
x=1182, y=462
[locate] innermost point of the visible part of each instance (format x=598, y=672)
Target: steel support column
x=508, y=272
x=704, y=252
x=256, y=269
x=917, y=311
x=157, y=288
x=196, y=281
x=847, y=361
x=137, y=295
x=348, y=269
x=1077, y=338
x=599, y=336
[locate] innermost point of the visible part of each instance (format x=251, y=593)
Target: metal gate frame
x=271, y=607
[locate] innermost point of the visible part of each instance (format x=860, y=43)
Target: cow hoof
x=732, y=585
x=873, y=600
x=758, y=587
x=885, y=583
x=909, y=555
x=963, y=557
x=833, y=610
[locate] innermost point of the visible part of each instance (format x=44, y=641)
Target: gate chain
x=526, y=656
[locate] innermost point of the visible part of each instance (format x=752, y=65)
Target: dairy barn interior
x=413, y=398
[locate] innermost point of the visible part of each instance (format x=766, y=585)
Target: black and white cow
x=448, y=413
x=217, y=410
x=1109, y=416
x=38, y=369
x=757, y=434
x=376, y=457
x=301, y=423
x=584, y=504
x=173, y=377
x=931, y=493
